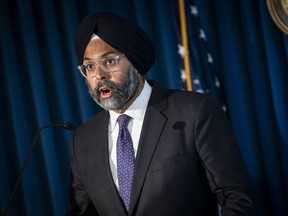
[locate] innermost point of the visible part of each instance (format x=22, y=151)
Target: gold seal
x=278, y=10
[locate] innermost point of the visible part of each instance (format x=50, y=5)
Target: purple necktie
x=125, y=159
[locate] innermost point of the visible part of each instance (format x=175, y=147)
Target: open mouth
x=105, y=92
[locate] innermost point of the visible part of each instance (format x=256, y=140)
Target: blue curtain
x=39, y=84
x=252, y=56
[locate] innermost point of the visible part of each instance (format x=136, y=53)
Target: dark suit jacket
x=187, y=161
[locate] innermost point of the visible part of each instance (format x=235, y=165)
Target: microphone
x=65, y=125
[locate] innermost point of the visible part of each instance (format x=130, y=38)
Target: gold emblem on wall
x=278, y=10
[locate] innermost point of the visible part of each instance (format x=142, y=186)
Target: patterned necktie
x=125, y=159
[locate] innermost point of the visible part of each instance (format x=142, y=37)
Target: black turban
x=121, y=34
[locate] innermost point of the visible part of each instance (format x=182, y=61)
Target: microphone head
x=65, y=125
x=69, y=126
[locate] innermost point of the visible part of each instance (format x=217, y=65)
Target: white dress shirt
x=137, y=112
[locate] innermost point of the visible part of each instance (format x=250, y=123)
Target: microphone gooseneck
x=66, y=126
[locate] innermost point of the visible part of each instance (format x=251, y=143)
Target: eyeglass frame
x=101, y=65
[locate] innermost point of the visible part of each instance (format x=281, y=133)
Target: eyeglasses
x=109, y=64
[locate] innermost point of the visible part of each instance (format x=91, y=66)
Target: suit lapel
x=148, y=141
x=102, y=165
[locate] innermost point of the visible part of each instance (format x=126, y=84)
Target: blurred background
x=236, y=53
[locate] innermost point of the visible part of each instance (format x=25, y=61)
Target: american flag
x=197, y=69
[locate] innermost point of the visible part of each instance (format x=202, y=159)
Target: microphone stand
x=67, y=126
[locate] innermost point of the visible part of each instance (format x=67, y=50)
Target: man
x=176, y=154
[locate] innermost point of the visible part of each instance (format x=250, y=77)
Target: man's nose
x=100, y=74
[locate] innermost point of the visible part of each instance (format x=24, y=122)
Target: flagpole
x=185, y=44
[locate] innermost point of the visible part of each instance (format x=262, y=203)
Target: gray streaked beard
x=121, y=93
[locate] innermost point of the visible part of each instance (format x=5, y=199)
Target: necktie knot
x=123, y=120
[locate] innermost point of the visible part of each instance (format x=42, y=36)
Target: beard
x=121, y=93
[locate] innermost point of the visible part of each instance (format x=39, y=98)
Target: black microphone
x=66, y=126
